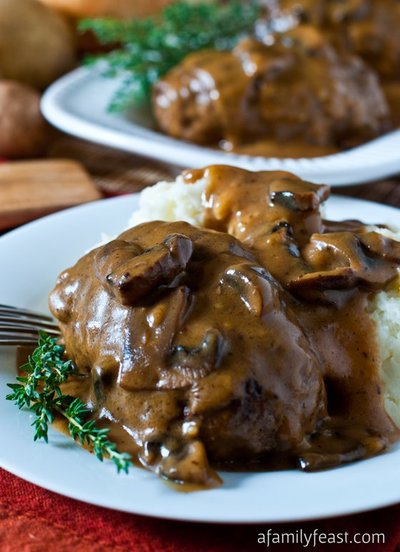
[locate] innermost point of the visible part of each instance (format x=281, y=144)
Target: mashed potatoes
x=385, y=311
x=172, y=201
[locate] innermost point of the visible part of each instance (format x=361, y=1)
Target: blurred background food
x=36, y=43
x=287, y=78
x=298, y=91
x=369, y=28
x=143, y=50
x=23, y=130
x=312, y=78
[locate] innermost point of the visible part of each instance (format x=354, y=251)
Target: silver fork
x=22, y=326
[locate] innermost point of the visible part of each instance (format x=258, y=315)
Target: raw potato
x=36, y=43
x=23, y=131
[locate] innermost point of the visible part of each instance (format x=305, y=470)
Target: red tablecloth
x=35, y=520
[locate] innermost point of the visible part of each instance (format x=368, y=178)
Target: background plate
x=31, y=258
x=77, y=104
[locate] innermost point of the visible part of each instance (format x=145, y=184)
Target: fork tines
x=21, y=326
x=31, y=323
x=16, y=311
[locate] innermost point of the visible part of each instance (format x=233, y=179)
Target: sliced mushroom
x=139, y=275
x=287, y=193
x=381, y=246
x=114, y=254
x=330, y=447
x=146, y=353
x=188, y=365
x=343, y=260
x=187, y=463
x=280, y=253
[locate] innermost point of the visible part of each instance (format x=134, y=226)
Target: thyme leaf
x=149, y=48
x=39, y=391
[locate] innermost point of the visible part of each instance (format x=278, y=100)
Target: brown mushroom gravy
x=368, y=28
x=243, y=344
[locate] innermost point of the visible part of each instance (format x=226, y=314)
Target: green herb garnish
x=151, y=47
x=39, y=391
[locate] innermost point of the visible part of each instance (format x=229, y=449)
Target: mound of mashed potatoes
x=173, y=201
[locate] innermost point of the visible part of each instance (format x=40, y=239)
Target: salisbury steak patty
x=189, y=345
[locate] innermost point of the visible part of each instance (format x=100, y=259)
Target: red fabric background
x=35, y=520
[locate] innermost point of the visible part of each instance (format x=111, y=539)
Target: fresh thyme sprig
x=150, y=47
x=39, y=391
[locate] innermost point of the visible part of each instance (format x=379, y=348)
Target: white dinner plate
x=77, y=104
x=30, y=259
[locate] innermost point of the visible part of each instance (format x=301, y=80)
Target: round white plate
x=77, y=104
x=31, y=258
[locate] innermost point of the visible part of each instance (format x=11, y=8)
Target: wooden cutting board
x=31, y=189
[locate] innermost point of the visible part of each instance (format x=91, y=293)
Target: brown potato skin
x=37, y=44
x=23, y=131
